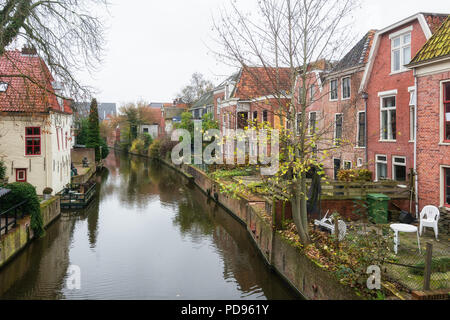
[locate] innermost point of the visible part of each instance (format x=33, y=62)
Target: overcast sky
x=154, y=46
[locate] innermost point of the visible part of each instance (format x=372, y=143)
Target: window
x=381, y=167
x=338, y=129
x=346, y=88
x=300, y=94
x=412, y=115
x=360, y=162
x=299, y=123
x=447, y=187
x=399, y=168
x=33, y=141
x=401, y=52
x=333, y=90
x=145, y=130
x=312, y=122
x=347, y=165
x=312, y=92
x=265, y=116
x=21, y=175
x=447, y=112
x=362, y=129
x=3, y=86
x=388, y=119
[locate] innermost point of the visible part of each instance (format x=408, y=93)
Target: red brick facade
x=382, y=80
x=433, y=154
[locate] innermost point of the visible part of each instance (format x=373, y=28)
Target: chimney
x=29, y=50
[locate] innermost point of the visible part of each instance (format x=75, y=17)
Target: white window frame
x=383, y=162
x=358, y=130
x=401, y=35
x=312, y=92
x=442, y=186
x=309, y=123
x=335, y=126
x=390, y=133
x=442, y=115
x=350, y=88
x=395, y=163
x=337, y=89
x=346, y=162
x=360, y=162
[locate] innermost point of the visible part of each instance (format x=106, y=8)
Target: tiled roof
x=358, y=55
x=437, y=47
x=29, y=85
x=435, y=20
x=257, y=82
x=206, y=100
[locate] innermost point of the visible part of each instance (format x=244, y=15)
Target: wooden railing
x=9, y=218
x=336, y=190
x=75, y=200
x=354, y=190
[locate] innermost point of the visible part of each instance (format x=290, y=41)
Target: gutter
x=415, y=145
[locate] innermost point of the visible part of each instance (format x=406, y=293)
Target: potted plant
x=48, y=193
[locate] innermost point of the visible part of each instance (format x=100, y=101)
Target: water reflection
x=148, y=235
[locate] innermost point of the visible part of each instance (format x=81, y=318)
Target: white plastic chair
x=429, y=218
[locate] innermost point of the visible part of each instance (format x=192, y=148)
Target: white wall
x=52, y=167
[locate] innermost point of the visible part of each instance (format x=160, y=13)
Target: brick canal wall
x=289, y=262
x=17, y=239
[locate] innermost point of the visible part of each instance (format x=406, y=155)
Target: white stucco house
x=35, y=123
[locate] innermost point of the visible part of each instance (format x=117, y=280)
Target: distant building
x=105, y=110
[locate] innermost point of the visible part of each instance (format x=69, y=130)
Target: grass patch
x=439, y=265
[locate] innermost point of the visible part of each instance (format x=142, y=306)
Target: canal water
x=148, y=235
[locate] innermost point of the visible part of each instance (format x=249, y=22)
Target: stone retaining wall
x=289, y=262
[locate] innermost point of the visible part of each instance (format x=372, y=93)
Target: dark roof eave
x=429, y=61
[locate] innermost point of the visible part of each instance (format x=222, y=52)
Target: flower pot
x=47, y=196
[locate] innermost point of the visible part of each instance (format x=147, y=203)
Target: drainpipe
x=365, y=96
x=415, y=145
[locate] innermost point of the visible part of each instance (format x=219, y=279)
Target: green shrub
x=147, y=138
x=20, y=192
x=138, y=146
x=233, y=173
x=154, y=150
x=105, y=148
x=2, y=170
x=354, y=175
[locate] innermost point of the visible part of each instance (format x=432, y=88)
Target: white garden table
x=397, y=228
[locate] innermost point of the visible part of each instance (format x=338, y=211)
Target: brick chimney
x=29, y=50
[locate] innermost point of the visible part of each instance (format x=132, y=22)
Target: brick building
x=390, y=86
x=342, y=111
x=431, y=67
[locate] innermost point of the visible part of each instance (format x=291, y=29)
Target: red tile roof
x=29, y=85
x=435, y=20
x=257, y=82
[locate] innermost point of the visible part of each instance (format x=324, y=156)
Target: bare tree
x=65, y=33
x=197, y=87
x=292, y=35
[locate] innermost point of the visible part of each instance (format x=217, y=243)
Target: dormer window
x=3, y=86
x=401, y=51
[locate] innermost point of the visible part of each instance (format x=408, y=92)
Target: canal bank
x=297, y=270
x=16, y=240
x=149, y=234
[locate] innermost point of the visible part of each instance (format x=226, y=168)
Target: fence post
x=336, y=232
x=428, y=265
